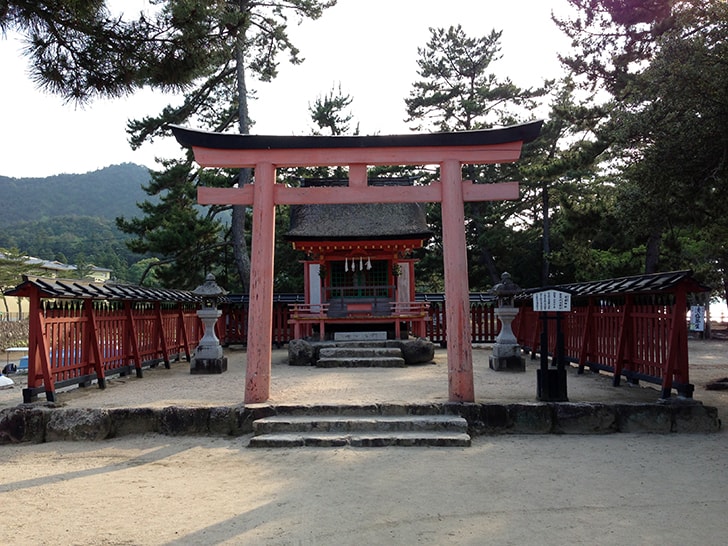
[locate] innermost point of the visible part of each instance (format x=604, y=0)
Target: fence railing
x=77, y=342
x=637, y=341
x=484, y=325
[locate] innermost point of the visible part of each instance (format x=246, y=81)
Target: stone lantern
x=208, y=357
x=506, y=351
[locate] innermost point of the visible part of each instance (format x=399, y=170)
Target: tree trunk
x=486, y=257
x=7, y=308
x=725, y=284
x=653, y=251
x=546, y=249
x=239, y=216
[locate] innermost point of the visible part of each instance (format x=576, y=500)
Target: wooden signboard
x=552, y=300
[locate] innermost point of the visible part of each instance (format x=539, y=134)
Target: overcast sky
x=367, y=46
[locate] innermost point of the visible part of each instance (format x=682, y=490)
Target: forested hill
x=106, y=193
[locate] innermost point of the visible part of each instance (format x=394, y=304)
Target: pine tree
x=456, y=92
x=206, y=49
x=663, y=64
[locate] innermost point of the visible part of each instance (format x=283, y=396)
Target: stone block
x=245, y=416
x=644, y=418
x=417, y=351
x=507, y=363
x=530, y=418
x=128, y=421
x=582, y=418
x=201, y=366
x=222, y=421
x=301, y=353
x=78, y=424
x=360, y=336
x=514, y=419
x=695, y=418
x=176, y=421
x=23, y=424
x=495, y=418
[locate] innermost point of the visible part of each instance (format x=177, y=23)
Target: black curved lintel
x=526, y=132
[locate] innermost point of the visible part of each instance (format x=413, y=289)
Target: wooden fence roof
x=78, y=289
x=654, y=283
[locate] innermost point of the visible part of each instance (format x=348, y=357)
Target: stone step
x=360, y=431
x=381, y=439
x=360, y=336
x=358, y=423
x=359, y=352
x=361, y=362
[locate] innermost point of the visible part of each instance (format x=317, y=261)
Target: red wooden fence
x=81, y=332
x=83, y=341
x=638, y=336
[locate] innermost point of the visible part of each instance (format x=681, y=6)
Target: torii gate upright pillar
x=448, y=150
x=457, y=291
x=260, y=310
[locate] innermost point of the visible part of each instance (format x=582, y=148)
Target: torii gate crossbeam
x=448, y=150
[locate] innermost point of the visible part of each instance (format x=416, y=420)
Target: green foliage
x=144, y=273
x=229, y=41
x=330, y=112
x=12, y=268
x=456, y=92
x=72, y=240
x=288, y=271
x=202, y=48
x=80, y=50
x=44, y=220
x=104, y=193
x=664, y=63
x=176, y=228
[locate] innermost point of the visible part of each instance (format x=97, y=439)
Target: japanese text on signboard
x=552, y=300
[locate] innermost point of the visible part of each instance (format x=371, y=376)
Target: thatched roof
x=358, y=221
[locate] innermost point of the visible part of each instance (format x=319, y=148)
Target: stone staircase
x=359, y=430
x=350, y=356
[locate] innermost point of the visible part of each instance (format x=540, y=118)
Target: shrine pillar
x=457, y=290
x=260, y=325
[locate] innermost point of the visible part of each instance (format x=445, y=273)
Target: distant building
x=14, y=308
x=98, y=274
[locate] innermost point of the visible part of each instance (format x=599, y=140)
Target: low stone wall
x=45, y=423
x=13, y=334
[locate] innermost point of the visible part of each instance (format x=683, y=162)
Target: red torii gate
x=448, y=150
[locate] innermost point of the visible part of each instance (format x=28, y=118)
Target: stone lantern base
x=208, y=357
x=208, y=365
x=507, y=359
x=506, y=351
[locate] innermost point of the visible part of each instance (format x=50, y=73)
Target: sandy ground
x=517, y=490
x=161, y=387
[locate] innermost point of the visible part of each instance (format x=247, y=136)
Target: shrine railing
x=484, y=325
x=634, y=327
x=81, y=332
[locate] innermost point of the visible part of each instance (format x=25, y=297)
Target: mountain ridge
x=107, y=193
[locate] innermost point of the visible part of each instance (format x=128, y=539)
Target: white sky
x=368, y=46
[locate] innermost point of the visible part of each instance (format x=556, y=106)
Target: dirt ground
x=162, y=387
x=514, y=490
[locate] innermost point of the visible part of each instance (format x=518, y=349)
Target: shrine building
x=359, y=270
